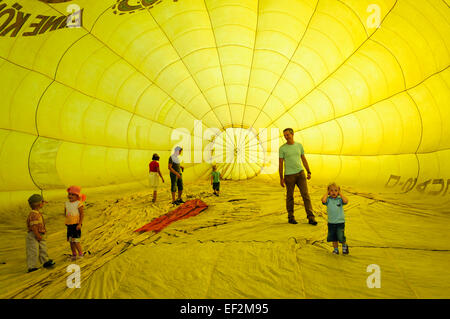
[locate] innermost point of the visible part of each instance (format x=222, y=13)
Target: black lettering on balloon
x=21, y=18
x=39, y=25
x=124, y=6
x=36, y=26
x=422, y=186
x=147, y=3
x=54, y=1
x=10, y=12
x=395, y=178
x=409, y=185
x=446, y=189
x=52, y=24
x=439, y=181
x=127, y=6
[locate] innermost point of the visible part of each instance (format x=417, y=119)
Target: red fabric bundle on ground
x=186, y=210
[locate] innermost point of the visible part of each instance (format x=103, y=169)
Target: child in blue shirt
x=334, y=200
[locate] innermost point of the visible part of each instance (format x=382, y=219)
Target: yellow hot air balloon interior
x=91, y=89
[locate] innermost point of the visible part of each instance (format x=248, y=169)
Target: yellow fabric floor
x=240, y=247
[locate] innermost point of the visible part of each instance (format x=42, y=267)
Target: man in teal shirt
x=294, y=174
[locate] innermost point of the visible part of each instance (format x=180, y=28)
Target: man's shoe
x=345, y=249
x=292, y=221
x=49, y=263
x=32, y=269
x=336, y=251
x=312, y=222
x=180, y=201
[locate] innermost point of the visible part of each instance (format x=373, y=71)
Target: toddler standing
x=74, y=219
x=335, y=200
x=36, y=239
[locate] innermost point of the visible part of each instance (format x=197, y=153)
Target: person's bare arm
x=174, y=171
x=160, y=175
x=344, y=198
x=81, y=211
x=306, y=165
x=281, y=171
x=325, y=197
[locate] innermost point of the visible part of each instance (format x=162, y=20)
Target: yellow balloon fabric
x=91, y=89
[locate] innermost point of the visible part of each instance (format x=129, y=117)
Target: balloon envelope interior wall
x=91, y=89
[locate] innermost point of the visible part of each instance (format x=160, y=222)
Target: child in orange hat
x=74, y=219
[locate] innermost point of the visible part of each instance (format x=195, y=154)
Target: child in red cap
x=74, y=219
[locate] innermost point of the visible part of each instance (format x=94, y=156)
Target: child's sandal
x=345, y=249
